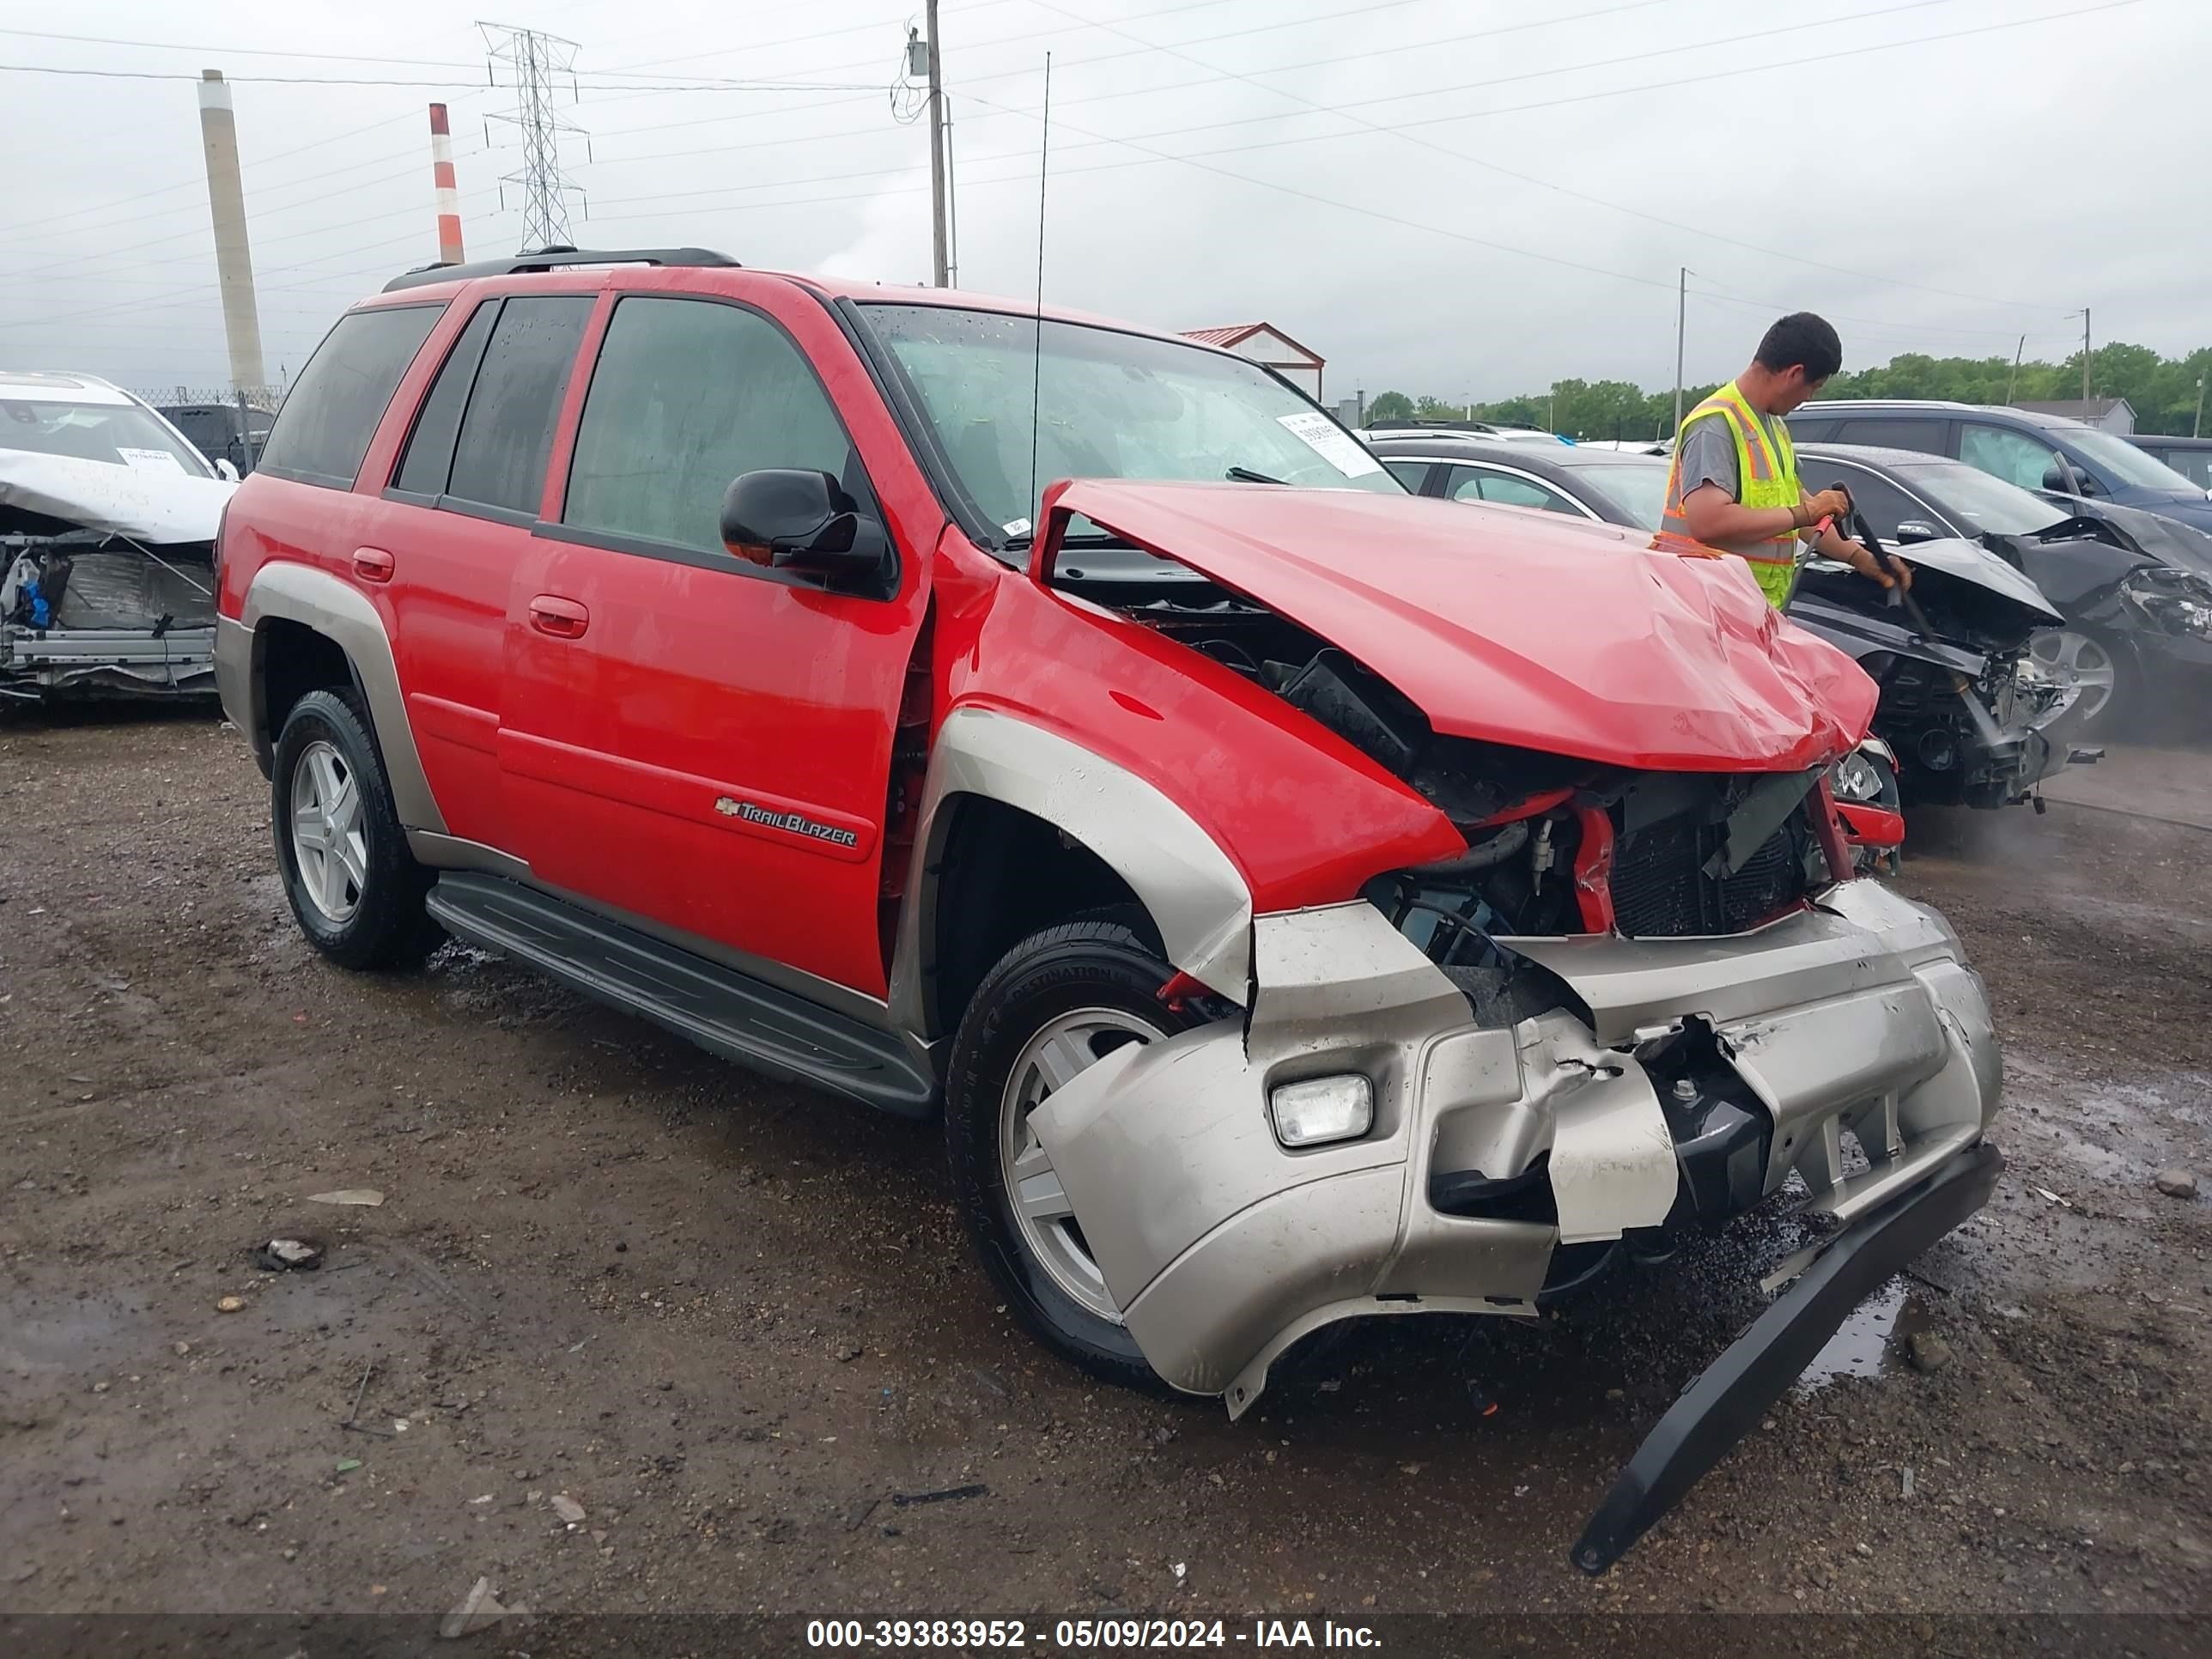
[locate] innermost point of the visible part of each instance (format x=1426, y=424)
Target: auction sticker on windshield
x=1330, y=441
x=151, y=460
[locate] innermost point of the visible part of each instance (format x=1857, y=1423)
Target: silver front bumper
x=1221, y=1248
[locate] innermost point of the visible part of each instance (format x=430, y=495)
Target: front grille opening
x=1662, y=888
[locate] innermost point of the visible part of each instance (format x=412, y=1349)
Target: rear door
x=457, y=516
x=693, y=742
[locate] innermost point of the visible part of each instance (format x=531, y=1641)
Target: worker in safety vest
x=1734, y=488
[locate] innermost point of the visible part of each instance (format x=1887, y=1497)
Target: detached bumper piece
x=1714, y=1413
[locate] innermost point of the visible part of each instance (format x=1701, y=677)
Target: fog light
x=1320, y=1110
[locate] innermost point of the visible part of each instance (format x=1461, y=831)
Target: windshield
x=1637, y=489
x=1986, y=503
x=1113, y=405
x=2126, y=463
x=120, y=434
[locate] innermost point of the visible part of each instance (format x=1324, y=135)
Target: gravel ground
x=641, y=1332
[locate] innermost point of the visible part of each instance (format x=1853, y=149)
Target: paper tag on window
x=151, y=460
x=1331, y=443
x=1016, y=526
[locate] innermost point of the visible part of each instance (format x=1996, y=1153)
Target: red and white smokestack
x=449, y=194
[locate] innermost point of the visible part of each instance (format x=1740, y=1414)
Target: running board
x=724, y=1011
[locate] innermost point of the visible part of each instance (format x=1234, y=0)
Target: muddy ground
x=729, y=1319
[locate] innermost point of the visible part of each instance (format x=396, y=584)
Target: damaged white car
x=108, y=528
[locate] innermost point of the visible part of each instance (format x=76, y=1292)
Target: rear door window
x=325, y=425
x=688, y=394
x=429, y=462
x=506, y=427
x=1926, y=436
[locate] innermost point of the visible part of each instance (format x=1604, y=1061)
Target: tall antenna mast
x=537, y=62
x=1037, y=349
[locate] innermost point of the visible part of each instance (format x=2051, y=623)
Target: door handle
x=372, y=564
x=564, y=619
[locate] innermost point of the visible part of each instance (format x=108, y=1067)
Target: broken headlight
x=2179, y=601
x=1855, y=779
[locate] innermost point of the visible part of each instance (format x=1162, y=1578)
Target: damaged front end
x=1642, y=1001
x=99, y=595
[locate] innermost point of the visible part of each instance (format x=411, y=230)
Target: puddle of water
x=1870, y=1343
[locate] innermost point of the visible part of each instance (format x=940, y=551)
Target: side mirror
x=1918, y=530
x=223, y=466
x=791, y=519
x=2063, y=480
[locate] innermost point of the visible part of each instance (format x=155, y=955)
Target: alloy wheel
x=1062, y=1049
x=2079, y=664
x=330, y=841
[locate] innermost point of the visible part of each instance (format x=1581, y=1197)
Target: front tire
x=355, y=889
x=1055, y=1003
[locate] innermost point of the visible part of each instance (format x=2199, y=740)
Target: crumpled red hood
x=1513, y=627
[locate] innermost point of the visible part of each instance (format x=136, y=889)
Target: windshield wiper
x=1246, y=475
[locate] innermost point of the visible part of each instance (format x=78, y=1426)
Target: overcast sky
x=1472, y=211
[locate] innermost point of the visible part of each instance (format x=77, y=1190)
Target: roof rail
x=552, y=258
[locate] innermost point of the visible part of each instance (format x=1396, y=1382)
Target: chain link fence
x=224, y=423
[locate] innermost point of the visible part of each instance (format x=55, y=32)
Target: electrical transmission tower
x=536, y=61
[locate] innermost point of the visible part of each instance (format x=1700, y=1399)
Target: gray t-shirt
x=1708, y=456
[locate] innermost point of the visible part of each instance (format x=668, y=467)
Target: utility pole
x=2014, y=380
x=537, y=60
x=938, y=244
x=2196, y=427
x=1681, y=314
x=2085, y=362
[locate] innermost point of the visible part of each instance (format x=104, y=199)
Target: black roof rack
x=552, y=258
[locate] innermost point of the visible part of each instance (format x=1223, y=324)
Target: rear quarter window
x=324, y=429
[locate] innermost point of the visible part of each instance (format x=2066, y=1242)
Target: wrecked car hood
x=123, y=501
x=1512, y=628
x=1969, y=562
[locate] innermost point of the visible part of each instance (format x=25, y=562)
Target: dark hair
x=1802, y=337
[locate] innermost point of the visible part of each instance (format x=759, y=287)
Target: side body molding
x=317, y=600
x=1196, y=897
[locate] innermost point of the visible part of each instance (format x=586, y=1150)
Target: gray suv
x=2046, y=452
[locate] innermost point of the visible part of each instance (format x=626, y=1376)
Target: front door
x=687, y=739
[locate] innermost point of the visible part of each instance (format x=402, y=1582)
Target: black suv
x=2036, y=452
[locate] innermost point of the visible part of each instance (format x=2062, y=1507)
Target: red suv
x=1302, y=900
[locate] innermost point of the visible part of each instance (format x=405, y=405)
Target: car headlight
x=2179, y=601
x=1317, y=1111
x=1854, y=778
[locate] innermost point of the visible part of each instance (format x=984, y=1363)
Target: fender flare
x=1195, y=895
x=318, y=600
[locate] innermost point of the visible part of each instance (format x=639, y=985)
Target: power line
x=433, y=86
x=1531, y=178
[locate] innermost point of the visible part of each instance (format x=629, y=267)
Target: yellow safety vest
x=1766, y=475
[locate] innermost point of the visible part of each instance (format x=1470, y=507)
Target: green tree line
x=2165, y=393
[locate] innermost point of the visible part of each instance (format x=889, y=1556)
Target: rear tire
x=1056, y=1002
x=355, y=889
